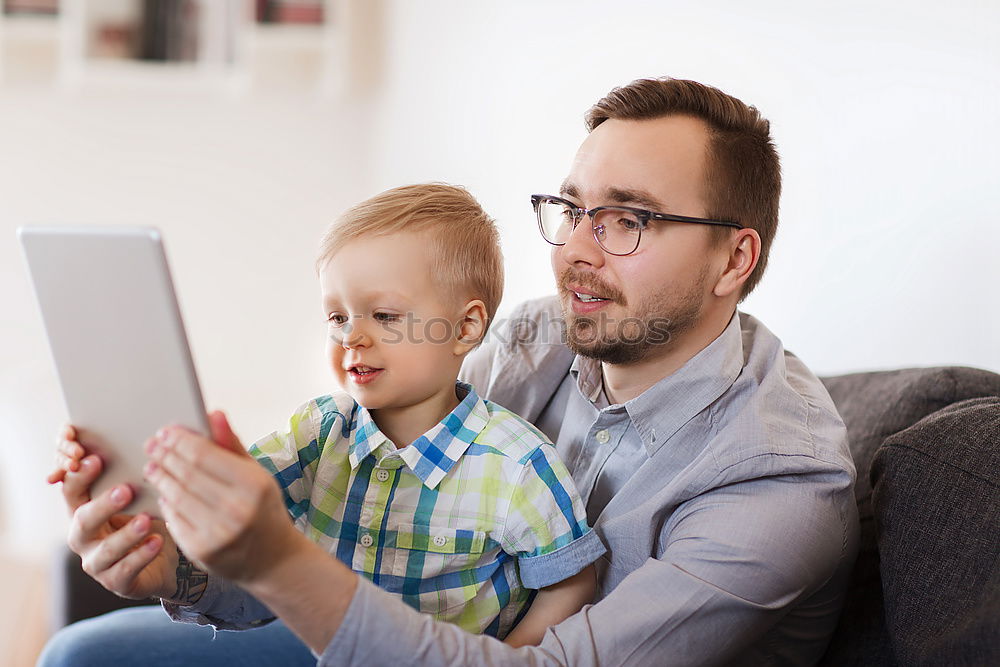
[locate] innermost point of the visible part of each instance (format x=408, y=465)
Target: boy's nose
x=353, y=337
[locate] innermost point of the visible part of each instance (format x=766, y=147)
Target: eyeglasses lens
x=617, y=230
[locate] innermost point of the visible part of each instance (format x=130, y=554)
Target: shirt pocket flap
x=440, y=540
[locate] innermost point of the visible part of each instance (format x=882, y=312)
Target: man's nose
x=581, y=247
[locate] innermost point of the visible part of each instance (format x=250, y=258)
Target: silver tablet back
x=118, y=342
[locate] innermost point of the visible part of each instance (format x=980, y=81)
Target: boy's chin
x=366, y=399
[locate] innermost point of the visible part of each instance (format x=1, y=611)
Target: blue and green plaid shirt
x=461, y=523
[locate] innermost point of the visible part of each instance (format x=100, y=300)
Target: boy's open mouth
x=362, y=374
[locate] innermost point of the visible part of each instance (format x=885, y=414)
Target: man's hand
x=222, y=507
x=131, y=556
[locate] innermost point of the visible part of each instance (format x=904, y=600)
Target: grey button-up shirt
x=724, y=496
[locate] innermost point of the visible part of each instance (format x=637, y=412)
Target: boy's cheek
x=334, y=359
x=334, y=350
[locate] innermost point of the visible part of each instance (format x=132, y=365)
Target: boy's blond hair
x=468, y=261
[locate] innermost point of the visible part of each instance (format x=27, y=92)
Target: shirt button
x=440, y=540
x=366, y=540
x=381, y=475
x=602, y=436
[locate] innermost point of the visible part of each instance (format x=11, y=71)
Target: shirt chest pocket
x=437, y=566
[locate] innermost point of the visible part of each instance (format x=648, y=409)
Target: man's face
x=648, y=299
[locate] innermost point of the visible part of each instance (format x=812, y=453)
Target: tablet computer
x=118, y=342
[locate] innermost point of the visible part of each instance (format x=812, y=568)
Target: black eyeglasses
x=617, y=229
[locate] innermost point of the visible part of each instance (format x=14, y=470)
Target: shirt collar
x=434, y=453
x=589, y=379
x=661, y=410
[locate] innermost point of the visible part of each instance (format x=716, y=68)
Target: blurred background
x=242, y=128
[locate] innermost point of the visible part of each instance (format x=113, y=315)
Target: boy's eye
x=386, y=317
x=336, y=319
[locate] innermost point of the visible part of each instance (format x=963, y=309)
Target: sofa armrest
x=936, y=499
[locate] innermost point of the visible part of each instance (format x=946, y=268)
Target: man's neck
x=623, y=382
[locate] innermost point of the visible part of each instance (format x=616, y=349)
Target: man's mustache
x=591, y=282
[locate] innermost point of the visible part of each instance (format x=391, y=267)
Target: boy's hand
x=69, y=452
x=222, y=507
x=125, y=554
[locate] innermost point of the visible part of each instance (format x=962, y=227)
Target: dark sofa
x=926, y=587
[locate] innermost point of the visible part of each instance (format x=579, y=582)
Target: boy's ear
x=471, y=327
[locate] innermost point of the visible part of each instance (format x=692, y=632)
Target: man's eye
x=629, y=224
x=336, y=319
x=386, y=317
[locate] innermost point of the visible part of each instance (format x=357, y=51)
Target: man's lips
x=583, y=302
x=586, y=295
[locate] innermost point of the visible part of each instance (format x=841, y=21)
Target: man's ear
x=744, y=253
x=471, y=327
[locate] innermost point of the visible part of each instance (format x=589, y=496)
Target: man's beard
x=645, y=331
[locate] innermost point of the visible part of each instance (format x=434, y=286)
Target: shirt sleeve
x=224, y=606
x=736, y=560
x=546, y=526
x=292, y=454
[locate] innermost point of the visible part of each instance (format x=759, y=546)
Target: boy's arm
x=552, y=605
x=546, y=528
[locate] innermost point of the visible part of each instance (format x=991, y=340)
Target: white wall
x=884, y=113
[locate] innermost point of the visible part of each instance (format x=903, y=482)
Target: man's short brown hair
x=743, y=172
x=468, y=262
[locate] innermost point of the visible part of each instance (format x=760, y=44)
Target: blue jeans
x=146, y=636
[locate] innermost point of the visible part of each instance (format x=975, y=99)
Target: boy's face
x=392, y=341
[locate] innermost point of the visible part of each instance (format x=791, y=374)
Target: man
x=713, y=464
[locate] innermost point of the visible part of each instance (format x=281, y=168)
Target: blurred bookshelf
x=210, y=45
x=295, y=12
x=31, y=7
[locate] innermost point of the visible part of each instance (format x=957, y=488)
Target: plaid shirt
x=460, y=524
